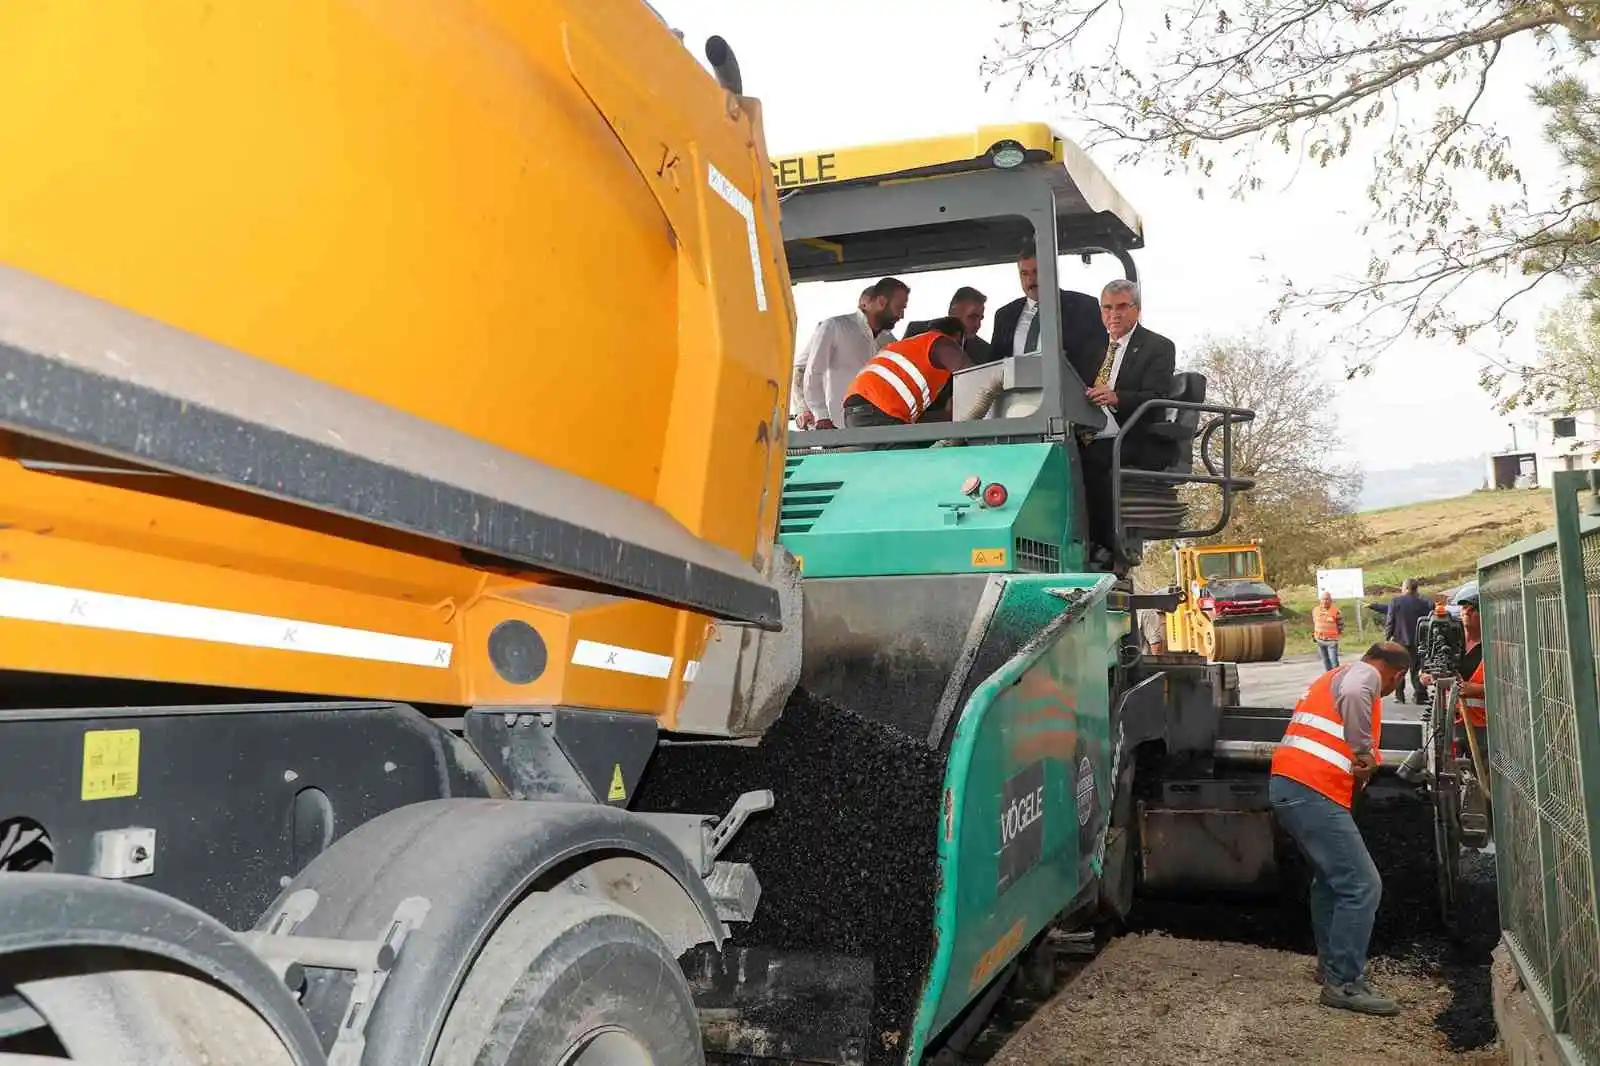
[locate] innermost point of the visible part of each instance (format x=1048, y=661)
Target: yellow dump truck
x=342, y=515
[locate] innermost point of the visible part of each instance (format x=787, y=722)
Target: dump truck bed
x=296, y=343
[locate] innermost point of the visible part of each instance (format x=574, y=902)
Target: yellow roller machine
x=1228, y=612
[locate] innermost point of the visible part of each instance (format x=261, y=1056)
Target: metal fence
x=1541, y=615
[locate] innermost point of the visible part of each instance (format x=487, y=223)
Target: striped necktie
x=1102, y=378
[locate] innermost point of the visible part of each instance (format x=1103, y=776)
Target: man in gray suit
x=1136, y=366
x=967, y=304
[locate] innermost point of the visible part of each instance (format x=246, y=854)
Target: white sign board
x=1342, y=584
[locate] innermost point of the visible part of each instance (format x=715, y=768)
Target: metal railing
x=1226, y=480
x=1541, y=614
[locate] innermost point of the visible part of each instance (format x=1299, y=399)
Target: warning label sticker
x=110, y=763
x=618, y=790
x=988, y=557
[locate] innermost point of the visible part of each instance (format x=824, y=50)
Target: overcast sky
x=832, y=73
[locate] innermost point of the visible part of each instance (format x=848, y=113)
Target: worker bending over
x=906, y=382
x=1327, y=753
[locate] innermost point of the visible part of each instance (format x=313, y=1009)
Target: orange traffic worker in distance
x=907, y=381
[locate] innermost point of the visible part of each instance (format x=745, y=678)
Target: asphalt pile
x=847, y=857
x=1408, y=930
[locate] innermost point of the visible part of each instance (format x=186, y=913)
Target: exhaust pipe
x=724, y=65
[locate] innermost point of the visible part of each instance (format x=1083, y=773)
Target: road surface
x=1282, y=683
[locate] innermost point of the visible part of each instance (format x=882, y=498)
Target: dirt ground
x=1202, y=982
x=1155, y=1000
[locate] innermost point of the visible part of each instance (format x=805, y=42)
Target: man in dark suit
x=967, y=304
x=1016, y=325
x=1135, y=366
x=1400, y=626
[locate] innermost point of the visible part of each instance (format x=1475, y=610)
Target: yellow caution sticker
x=800, y=563
x=110, y=763
x=988, y=557
x=618, y=790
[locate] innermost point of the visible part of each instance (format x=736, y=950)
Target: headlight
x=1007, y=154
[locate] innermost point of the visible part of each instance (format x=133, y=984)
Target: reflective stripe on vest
x=902, y=379
x=912, y=373
x=1326, y=623
x=1476, y=708
x=1313, y=750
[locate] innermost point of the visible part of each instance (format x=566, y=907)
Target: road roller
x=1228, y=611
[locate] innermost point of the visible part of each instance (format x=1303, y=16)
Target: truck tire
x=568, y=980
x=112, y=1006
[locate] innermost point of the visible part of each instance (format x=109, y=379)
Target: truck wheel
x=569, y=980
x=112, y=1006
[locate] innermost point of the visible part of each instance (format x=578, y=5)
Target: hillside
x=1438, y=542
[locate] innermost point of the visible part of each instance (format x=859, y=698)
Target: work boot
x=1358, y=996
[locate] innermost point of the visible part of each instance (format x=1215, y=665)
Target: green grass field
x=1438, y=542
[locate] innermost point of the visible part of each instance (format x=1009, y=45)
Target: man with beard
x=1016, y=325
x=840, y=347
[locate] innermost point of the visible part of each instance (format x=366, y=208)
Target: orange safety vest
x=1325, y=624
x=1475, y=709
x=902, y=379
x=1313, y=750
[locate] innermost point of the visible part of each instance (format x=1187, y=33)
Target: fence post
x=1580, y=655
x=1549, y=885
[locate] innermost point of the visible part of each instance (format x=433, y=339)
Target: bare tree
x=1302, y=506
x=1216, y=82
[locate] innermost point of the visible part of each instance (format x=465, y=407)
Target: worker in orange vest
x=1330, y=750
x=1327, y=625
x=1474, y=712
x=905, y=382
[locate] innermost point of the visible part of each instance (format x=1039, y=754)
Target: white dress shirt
x=1121, y=344
x=1019, y=339
x=839, y=348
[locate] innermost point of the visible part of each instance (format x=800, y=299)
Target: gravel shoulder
x=1154, y=1000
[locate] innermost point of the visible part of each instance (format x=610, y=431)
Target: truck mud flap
x=788, y=1005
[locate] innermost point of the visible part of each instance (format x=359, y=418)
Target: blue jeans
x=1345, y=886
x=1330, y=653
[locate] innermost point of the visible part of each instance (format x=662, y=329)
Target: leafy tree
x=1215, y=82
x=1566, y=374
x=1302, y=506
